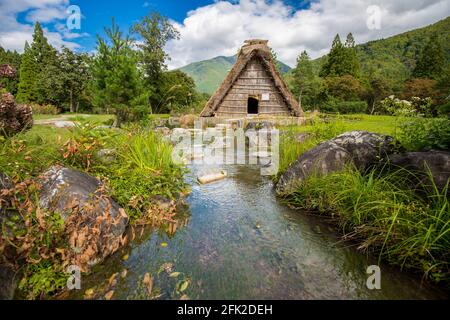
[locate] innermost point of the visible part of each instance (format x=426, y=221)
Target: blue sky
x=211, y=28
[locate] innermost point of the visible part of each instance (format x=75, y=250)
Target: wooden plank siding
x=254, y=81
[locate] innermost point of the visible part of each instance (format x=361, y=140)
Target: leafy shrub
x=444, y=110
x=397, y=107
x=44, y=109
x=383, y=215
x=425, y=134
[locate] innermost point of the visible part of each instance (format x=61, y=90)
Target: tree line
x=337, y=83
x=127, y=75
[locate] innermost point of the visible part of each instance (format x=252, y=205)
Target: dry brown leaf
x=112, y=281
x=148, y=282
x=109, y=295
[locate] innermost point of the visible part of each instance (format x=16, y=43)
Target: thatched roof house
x=253, y=87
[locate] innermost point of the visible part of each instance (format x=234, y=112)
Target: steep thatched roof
x=252, y=48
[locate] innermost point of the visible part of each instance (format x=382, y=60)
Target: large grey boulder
x=9, y=282
x=360, y=148
x=94, y=223
x=421, y=164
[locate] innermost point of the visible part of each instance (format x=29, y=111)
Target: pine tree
x=342, y=59
x=39, y=65
x=306, y=85
x=334, y=64
x=117, y=81
x=351, y=63
x=431, y=61
x=29, y=70
x=302, y=74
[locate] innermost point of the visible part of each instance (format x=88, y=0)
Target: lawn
x=98, y=118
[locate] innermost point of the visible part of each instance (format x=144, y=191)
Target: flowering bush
x=398, y=107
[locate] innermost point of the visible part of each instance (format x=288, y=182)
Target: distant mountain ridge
x=209, y=74
x=394, y=58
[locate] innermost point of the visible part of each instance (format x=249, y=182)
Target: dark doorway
x=252, y=105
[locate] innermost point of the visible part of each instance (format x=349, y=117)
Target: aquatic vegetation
x=383, y=215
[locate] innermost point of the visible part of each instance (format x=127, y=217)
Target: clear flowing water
x=236, y=240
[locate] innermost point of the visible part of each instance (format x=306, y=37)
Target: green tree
x=306, y=85
x=12, y=58
x=342, y=59
x=351, y=62
x=29, y=70
x=345, y=88
x=432, y=61
x=40, y=63
x=333, y=66
x=154, y=31
x=378, y=89
x=74, y=77
x=117, y=81
x=177, y=92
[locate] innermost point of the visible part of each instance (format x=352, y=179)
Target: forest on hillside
x=407, y=73
x=124, y=77
x=412, y=68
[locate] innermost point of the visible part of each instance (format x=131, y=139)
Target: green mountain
x=209, y=74
x=395, y=57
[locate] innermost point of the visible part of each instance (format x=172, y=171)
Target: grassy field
x=327, y=127
x=98, y=118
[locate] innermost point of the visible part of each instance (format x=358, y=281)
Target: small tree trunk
x=373, y=107
x=72, y=106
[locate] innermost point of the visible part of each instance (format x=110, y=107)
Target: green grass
x=142, y=167
x=379, y=211
x=382, y=214
x=97, y=118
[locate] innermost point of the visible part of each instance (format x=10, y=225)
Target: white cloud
x=13, y=34
x=222, y=27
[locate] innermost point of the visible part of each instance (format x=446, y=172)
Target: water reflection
x=237, y=241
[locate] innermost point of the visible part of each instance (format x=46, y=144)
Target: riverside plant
x=382, y=215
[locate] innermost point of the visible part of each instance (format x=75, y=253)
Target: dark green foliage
x=306, y=84
x=425, y=134
x=444, y=110
x=117, y=82
x=28, y=72
x=175, y=92
x=377, y=89
x=12, y=58
x=72, y=79
x=342, y=59
x=154, y=31
x=334, y=62
x=351, y=107
x=431, y=61
x=39, y=67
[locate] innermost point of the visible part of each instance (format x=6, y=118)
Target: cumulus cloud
x=13, y=33
x=221, y=28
